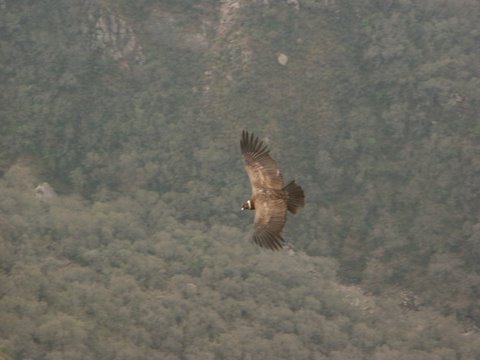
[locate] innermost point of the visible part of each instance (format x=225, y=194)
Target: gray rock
x=282, y=59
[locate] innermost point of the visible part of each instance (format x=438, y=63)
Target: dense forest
x=121, y=180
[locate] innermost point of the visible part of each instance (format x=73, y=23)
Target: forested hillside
x=121, y=179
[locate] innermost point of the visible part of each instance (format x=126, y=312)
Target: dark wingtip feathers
x=252, y=144
x=269, y=241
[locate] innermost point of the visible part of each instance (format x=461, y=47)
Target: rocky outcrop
x=228, y=11
x=116, y=37
x=234, y=44
x=44, y=191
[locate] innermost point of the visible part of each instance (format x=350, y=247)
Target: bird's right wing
x=261, y=168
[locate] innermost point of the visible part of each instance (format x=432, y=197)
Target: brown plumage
x=270, y=199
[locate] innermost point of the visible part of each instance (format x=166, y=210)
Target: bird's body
x=270, y=199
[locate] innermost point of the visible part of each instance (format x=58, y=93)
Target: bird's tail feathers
x=296, y=197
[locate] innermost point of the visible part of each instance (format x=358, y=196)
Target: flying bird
x=270, y=199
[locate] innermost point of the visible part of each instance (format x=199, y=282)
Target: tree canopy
x=121, y=179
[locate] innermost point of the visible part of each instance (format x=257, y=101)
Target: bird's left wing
x=270, y=218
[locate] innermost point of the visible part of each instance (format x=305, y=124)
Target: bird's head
x=247, y=205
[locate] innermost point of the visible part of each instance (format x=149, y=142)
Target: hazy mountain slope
x=132, y=112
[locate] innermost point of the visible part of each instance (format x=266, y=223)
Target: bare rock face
x=115, y=36
x=23, y=175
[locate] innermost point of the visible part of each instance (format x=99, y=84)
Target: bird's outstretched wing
x=261, y=168
x=270, y=218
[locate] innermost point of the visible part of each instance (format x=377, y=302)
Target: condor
x=270, y=199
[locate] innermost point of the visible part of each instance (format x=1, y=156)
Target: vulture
x=270, y=199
